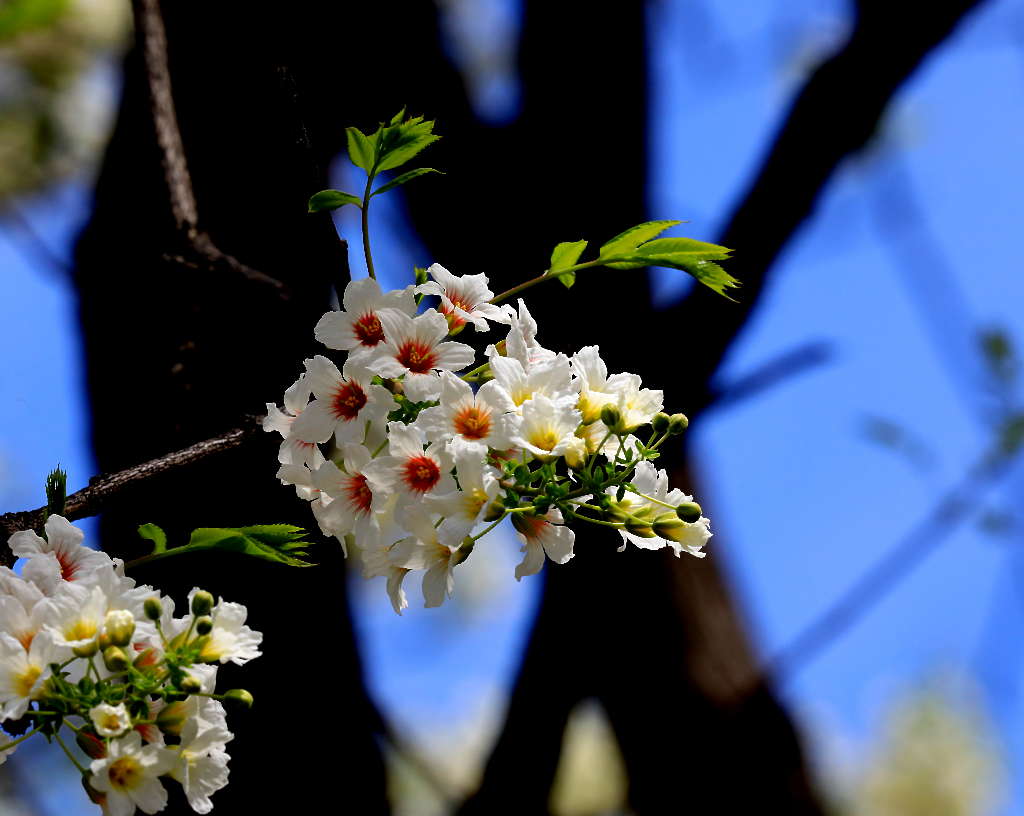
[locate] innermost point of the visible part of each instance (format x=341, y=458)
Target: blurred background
x=852, y=643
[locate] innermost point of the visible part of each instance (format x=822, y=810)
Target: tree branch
x=102, y=490
x=201, y=251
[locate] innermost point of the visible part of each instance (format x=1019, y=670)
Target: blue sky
x=801, y=499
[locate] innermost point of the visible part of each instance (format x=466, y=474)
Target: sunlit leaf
x=331, y=200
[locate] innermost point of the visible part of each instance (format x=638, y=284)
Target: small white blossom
x=110, y=721
x=542, y=535
x=344, y=403
x=463, y=299
x=23, y=672
x=482, y=417
x=130, y=774
x=424, y=551
x=357, y=327
x=548, y=428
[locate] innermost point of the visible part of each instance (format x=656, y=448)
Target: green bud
x=464, y=551
x=639, y=527
x=238, y=699
x=660, y=422
x=689, y=512
x=175, y=696
x=202, y=603
x=611, y=416
x=88, y=650
x=190, y=685
x=204, y=625
x=171, y=718
x=677, y=424
x=153, y=608
x=495, y=510
x=115, y=659
x=119, y=626
x=670, y=527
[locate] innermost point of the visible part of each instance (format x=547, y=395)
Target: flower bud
x=202, y=603
x=611, y=416
x=204, y=625
x=171, y=718
x=103, y=641
x=495, y=510
x=238, y=699
x=639, y=527
x=153, y=608
x=115, y=659
x=91, y=745
x=660, y=422
x=191, y=685
x=677, y=424
x=88, y=650
x=670, y=527
x=119, y=626
x=689, y=512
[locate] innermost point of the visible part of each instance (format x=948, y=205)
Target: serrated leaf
x=331, y=200
x=265, y=542
x=151, y=532
x=563, y=256
x=695, y=250
x=629, y=240
x=398, y=116
x=402, y=179
x=400, y=142
x=707, y=272
x=360, y=148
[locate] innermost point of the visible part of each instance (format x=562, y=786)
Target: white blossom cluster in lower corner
x=405, y=448
x=104, y=668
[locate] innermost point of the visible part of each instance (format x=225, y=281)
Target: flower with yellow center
x=22, y=673
x=130, y=774
x=548, y=428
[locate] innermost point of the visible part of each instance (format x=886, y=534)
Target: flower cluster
x=406, y=449
x=82, y=647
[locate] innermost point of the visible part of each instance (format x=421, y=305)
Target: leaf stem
x=366, y=225
x=522, y=287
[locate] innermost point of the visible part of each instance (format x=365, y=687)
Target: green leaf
x=360, y=148
x=400, y=142
x=331, y=200
x=626, y=242
x=707, y=272
x=672, y=250
x=398, y=116
x=563, y=256
x=279, y=543
x=402, y=179
x=151, y=532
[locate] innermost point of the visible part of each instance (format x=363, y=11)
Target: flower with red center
x=542, y=535
x=414, y=348
x=420, y=474
x=64, y=543
x=463, y=299
x=355, y=492
x=478, y=485
x=344, y=403
x=356, y=327
x=485, y=417
x=415, y=473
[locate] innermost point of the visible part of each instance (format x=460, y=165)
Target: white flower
x=413, y=471
x=356, y=493
x=521, y=343
x=652, y=482
x=230, y=639
x=130, y=774
x=548, y=429
x=377, y=561
x=357, y=326
x=110, y=721
x=591, y=379
x=423, y=551
x=23, y=615
x=202, y=766
x=344, y=403
x=64, y=542
x=462, y=508
x=463, y=299
x=542, y=535
x=637, y=405
x=22, y=673
x=293, y=451
x=415, y=347
x=550, y=377
x=481, y=417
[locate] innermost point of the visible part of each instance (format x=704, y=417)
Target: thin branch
x=953, y=507
x=102, y=490
x=202, y=252
x=768, y=375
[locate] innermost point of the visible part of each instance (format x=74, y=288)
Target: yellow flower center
x=125, y=773
x=24, y=682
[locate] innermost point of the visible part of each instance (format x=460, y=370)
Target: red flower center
x=367, y=330
x=473, y=422
x=418, y=357
x=348, y=401
x=359, y=493
x=68, y=567
x=421, y=473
